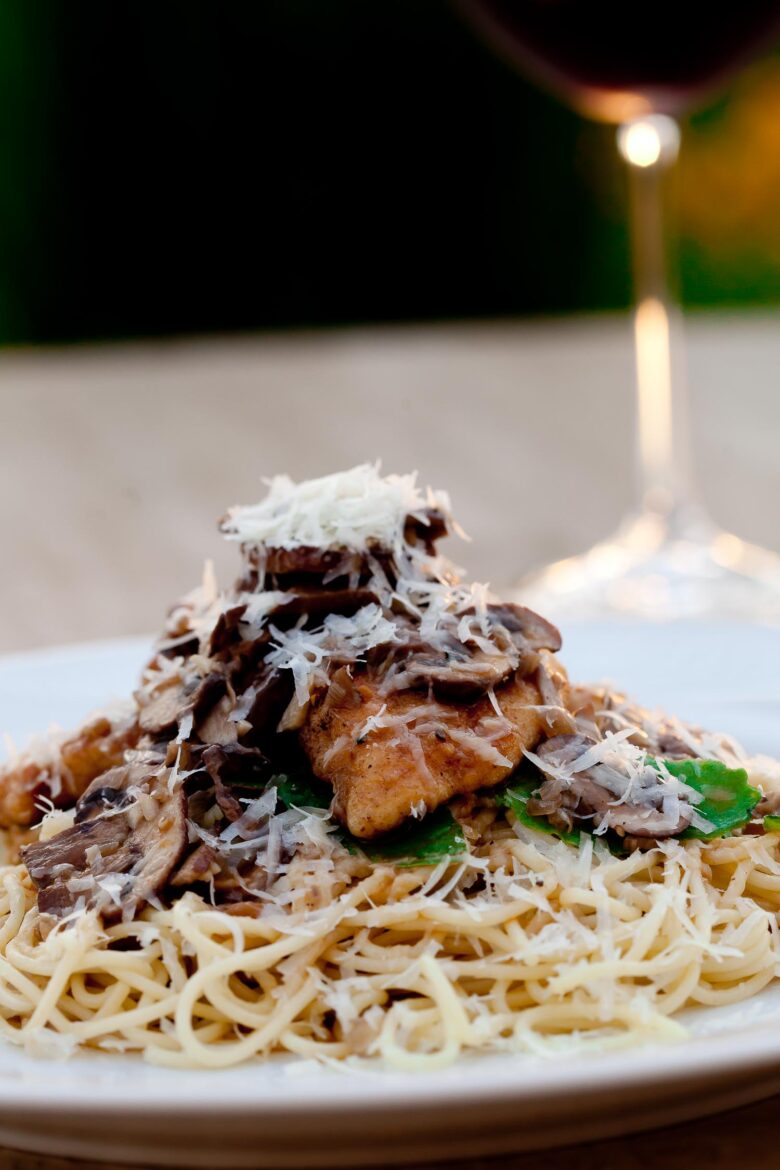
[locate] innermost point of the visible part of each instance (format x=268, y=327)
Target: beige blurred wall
x=115, y=461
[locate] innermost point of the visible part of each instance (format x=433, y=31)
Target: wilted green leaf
x=728, y=801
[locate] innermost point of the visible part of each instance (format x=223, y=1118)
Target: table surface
x=116, y=460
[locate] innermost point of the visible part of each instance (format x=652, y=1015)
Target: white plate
x=288, y=1113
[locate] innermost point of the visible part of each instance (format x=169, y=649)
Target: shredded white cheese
x=353, y=509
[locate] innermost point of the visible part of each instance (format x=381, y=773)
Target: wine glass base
x=657, y=571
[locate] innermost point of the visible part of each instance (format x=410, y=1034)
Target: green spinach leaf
x=427, y=842
x=728, y=801
x=301, y=790
x=515, y=796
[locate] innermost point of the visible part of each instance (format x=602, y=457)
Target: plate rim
x=505, y=1078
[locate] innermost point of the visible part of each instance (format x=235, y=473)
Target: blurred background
x=248, y=237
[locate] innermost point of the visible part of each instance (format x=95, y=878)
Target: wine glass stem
x=649, y=146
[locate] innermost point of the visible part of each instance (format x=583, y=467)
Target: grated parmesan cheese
x=353, y=509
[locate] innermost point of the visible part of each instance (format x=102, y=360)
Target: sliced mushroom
x=307, y=560
x=103, y=797
x=463, y=671
x=318, y=603
x=426, y=528
x=226, y=629
x=236, y=771
x=671, y=746
x=64, y=877
x=587, y=796
x=459, y=673
x=534, y=631
x=263, y=703
x=174, y=698
x=160, y=712
x=181, y=646
x=551, y=679
x=218, y=725
x=201, y=865
x=120, y=853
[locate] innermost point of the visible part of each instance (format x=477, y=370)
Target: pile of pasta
x=527, y=945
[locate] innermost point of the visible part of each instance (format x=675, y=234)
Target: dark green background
x=169, y=166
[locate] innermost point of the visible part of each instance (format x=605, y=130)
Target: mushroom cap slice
x=130, y=833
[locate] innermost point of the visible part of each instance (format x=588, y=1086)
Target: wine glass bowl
x=654, y=569
x=668, y=559
x=614, y=62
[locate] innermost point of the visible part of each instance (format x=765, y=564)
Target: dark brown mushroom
x=225, y=630
x=169, y=702
x=319, y=603
x=181, y=646
x=426, y=528
x=670, y=746
x=160, y=712
x=131, y=831
x=525, y=626
x=459, y=673
x=236, y=771
x=264, y=702
x=463, y=671
x=201, y=865
x=306, y=560
x=219, y=725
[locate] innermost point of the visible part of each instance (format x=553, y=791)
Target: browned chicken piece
x=430, y=752
x=93, y=749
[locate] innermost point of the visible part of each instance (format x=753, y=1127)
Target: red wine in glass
x=615, y=60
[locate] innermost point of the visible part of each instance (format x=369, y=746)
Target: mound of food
x=356, y=807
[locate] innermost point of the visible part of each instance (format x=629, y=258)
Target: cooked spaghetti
x=357, y=810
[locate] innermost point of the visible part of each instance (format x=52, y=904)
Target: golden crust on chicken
x=389, y=757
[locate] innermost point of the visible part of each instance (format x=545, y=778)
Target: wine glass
x=641, y=70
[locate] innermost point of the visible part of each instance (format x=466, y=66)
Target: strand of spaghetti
x=260, y=958
x=451, y=1016
x=195, y=928
x=594, y=899
x=402, y=1056
x=670, y=998
x=765, y=882
x=18, y=979
x=19, y=903
x=58, y=981
x=88, y=996
x=449, y=1003
x=735, y=970
x=139, y=1015
x=113, y=998
x=138, y=981
x=582, y=1015
x=223, y=1055
x=442, y=914
x=649, y=928
x=234, y=1009
x=67, y=1010
x=167, y=1050
x=311, y=1049
x=580, y=974
x=739, y=991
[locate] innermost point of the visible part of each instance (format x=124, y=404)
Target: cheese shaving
x=353, y=509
